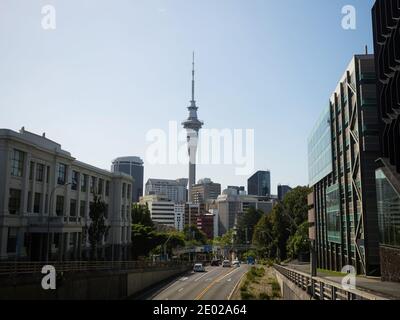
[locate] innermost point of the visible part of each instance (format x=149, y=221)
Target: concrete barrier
x=88, y=285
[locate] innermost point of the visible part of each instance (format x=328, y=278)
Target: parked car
x=236, y=263
x=215, y=263
x=226, y=264
x=198, y=267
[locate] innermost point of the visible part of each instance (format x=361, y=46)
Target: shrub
x=245, y=295
x=264, y=296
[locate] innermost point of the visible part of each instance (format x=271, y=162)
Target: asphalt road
x=217, y=283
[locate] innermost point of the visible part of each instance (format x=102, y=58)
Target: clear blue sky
x=112, y=70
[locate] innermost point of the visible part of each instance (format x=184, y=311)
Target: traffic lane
x=186, y=288
x=222, y=287
x=189, y=286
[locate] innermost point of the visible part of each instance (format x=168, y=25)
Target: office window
x=92, y=184
x=31, y=169
x=12, y=240
x=17, y=163
x=75, y=180
x=14, y=201
x=39, y=172
x=62, y=173
x=100, y=186
x=122, y=211
x=123, y=190
x=72, y=208
x=129, y=191
x=82, y=208
x=107, y=188
x=84, y=179
x=36, y=202
x=60, y=206
x=29, y=203
x=48, y=174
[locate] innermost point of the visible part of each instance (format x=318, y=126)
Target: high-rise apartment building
x=386, y=29
x=132, y=166
x=343, y=147
x=259, y=184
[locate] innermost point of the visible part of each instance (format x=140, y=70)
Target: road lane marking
x=229, y=297
x=180, y=290
x=219, y=280
x=213, y=283
x=197, y=279
x=207, y=273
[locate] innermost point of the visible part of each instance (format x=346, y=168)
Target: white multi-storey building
x=179, y=216
x=173, y=190
x=45, y=197
x=164, y=211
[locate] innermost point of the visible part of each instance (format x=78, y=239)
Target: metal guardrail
x=12, y=268
x=323, y=289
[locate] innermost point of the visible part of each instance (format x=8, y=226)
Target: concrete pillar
x=25, y=184
x=33, y=188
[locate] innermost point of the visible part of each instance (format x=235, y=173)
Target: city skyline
x=129, y=66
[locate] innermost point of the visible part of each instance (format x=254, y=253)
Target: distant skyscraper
x=192, y=126
x=282, y=190
x=132, y=166
x=259, y=184
x=205, y=190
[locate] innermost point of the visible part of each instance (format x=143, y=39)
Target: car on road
x=215, y=263
x=236, y=263
x=226, y=264
x=198, y=267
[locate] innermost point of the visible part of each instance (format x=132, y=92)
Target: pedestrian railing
x=17, y=267
x=323, y=289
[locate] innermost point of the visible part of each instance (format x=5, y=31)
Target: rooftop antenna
x=366, y=49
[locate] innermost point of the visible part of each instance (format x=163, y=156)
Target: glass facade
x=320, y=149
x=259, y=184
x=333, y=214
x=388, y=210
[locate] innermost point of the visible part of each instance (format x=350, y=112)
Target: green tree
x=225, y=240
x=97, y=229
x=246, y=225
x=299, y=243
x=141, y=215
x=144, y=239
x=194, y=235
x=272, y=232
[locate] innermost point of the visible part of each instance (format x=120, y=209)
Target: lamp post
x=48, y=217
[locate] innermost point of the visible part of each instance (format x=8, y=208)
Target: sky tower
x=192, y=126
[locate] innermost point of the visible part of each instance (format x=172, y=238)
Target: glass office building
x=259, y=184
x=320, y=149
x=386, y=28
x=342, y=150
x=132, y=166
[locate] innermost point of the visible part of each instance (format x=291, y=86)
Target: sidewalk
x=389, y=290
